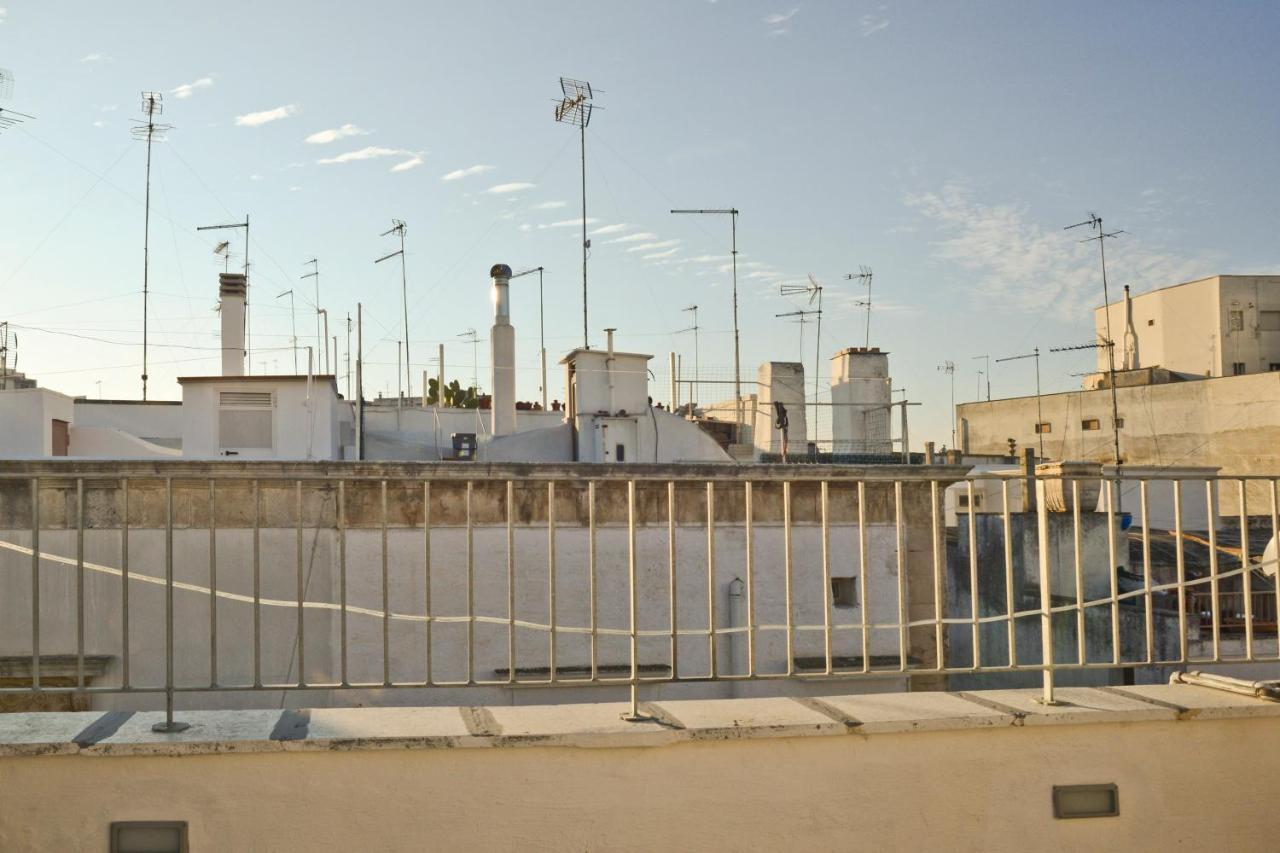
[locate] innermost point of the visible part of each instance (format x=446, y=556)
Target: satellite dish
x=1269, y=559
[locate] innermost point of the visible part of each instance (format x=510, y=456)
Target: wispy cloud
x=513, y=187
x=265, y=116
x=779, y=18
x=459, y=174
x=412, y=163
x=369, y=152
x=872, y=23
x=612, y=229
x=567, y=223
x=99, y=124
x=549, y=205
x=322, y=137
x=1018, y=262
x=634, y=238
x=646, y=247
x=3, y=13
x=92, y=57
x=656, y=255
x=186, y=90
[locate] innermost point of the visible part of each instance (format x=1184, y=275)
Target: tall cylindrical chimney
x=502, y=347
x=231, y=295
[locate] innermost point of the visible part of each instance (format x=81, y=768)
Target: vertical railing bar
x=342, y=579
x=786, y=570
x=862, y=576
x=124, y=583
x=936, y=529
x=1247, y=574
x=213, y=586
x=1082, y=650
x=1180, y=561
x=35, y=583
x=386, y=596
x=426, y=572
x=711, y=575
x=80, y=582
x=672, y=600
x=631, y=601
x=551, y=580
x=974, y=610
x=591, y=577
x=826, y=577
x=1146, y=572
x=1046, y=591
x=1275, y=571
x=302, y=589
x=901, y=541
x=748, y=511
x=168, y=725
x=257, y=584
x=471, y=587
x=1111, y=569
x=1214, y=605
x=1011, y=604
x=511, y=583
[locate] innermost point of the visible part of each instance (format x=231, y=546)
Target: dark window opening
x=1043, y=428
x=1237, y=368
x=844, y=591
x=1090, y=424
x=620, y=453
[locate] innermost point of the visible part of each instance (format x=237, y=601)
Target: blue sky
x=942, y=144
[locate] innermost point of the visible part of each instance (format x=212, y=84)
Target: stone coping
x=602, y=724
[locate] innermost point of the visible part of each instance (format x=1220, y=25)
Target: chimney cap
x=500, y=271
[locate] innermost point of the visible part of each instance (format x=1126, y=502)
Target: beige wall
x=1198, y=785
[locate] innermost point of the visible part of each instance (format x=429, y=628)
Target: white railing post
x=1046, y=592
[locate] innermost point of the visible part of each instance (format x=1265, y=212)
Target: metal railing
x=454, y=576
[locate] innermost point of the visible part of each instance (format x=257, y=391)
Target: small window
x=1090, y=424
x=1237, y=368
x=1044, y=428
x=1235, y=321
x=962, y=500
x=620, y=453
x=1269, y=321
x=1075, y=801
x=1151, y=322
x=149, y=836
x=1274, y=366
x=1119, y=423
x=844, y=591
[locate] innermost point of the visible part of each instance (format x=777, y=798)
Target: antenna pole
x=817, y=363
x=582, y=137
x=404, y=298
x=348, y=355
x=151, y=104
x=359, y=380
x=1095, y=223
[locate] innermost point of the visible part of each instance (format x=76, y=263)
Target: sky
x=944, y=145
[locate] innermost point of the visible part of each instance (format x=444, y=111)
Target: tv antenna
x=986, y=360
x=470, y=335
x=864, y=275
x=732, y=213
x=949, y=367
x=814, y=290
x=542, y=331
x=1094, y=223
x=223, y=251
x=245, y=225
x=9, y=118
x=694, y=329
x=4, y=355
x=1035, y=353
x=575, y=108
x=314, y=263
x=293, y=326
x=152, y=106
x=398, y=228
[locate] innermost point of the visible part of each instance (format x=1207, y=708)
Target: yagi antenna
x=814, y=290
x=9, y=118
x=575, y=108
x=152, y=106
x=864, y=275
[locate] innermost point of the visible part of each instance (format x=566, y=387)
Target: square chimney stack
x=232, y=296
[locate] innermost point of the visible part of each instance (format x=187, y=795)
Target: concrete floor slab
x=917, y=712
x=1076, y=705
x=780, y=716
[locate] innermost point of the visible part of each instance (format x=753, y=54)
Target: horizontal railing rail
x=195, y=580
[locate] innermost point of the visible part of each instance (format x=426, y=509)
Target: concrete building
x=860, y=400
x=1223, y=325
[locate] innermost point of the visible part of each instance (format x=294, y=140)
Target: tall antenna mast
x=732, y=213
x=575, y=109
x=696, y=358
x=814, y=290
x=398, y=228
x=864, y=275
x=1035, y=353
x=542, y=331
x=152, y=106
x=293, y=326
x=470, y=335
x=1094, y=222
x=986, y=360
x=949, y=367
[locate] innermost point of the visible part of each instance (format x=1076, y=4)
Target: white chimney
x=502, y=348
x=231, y=293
